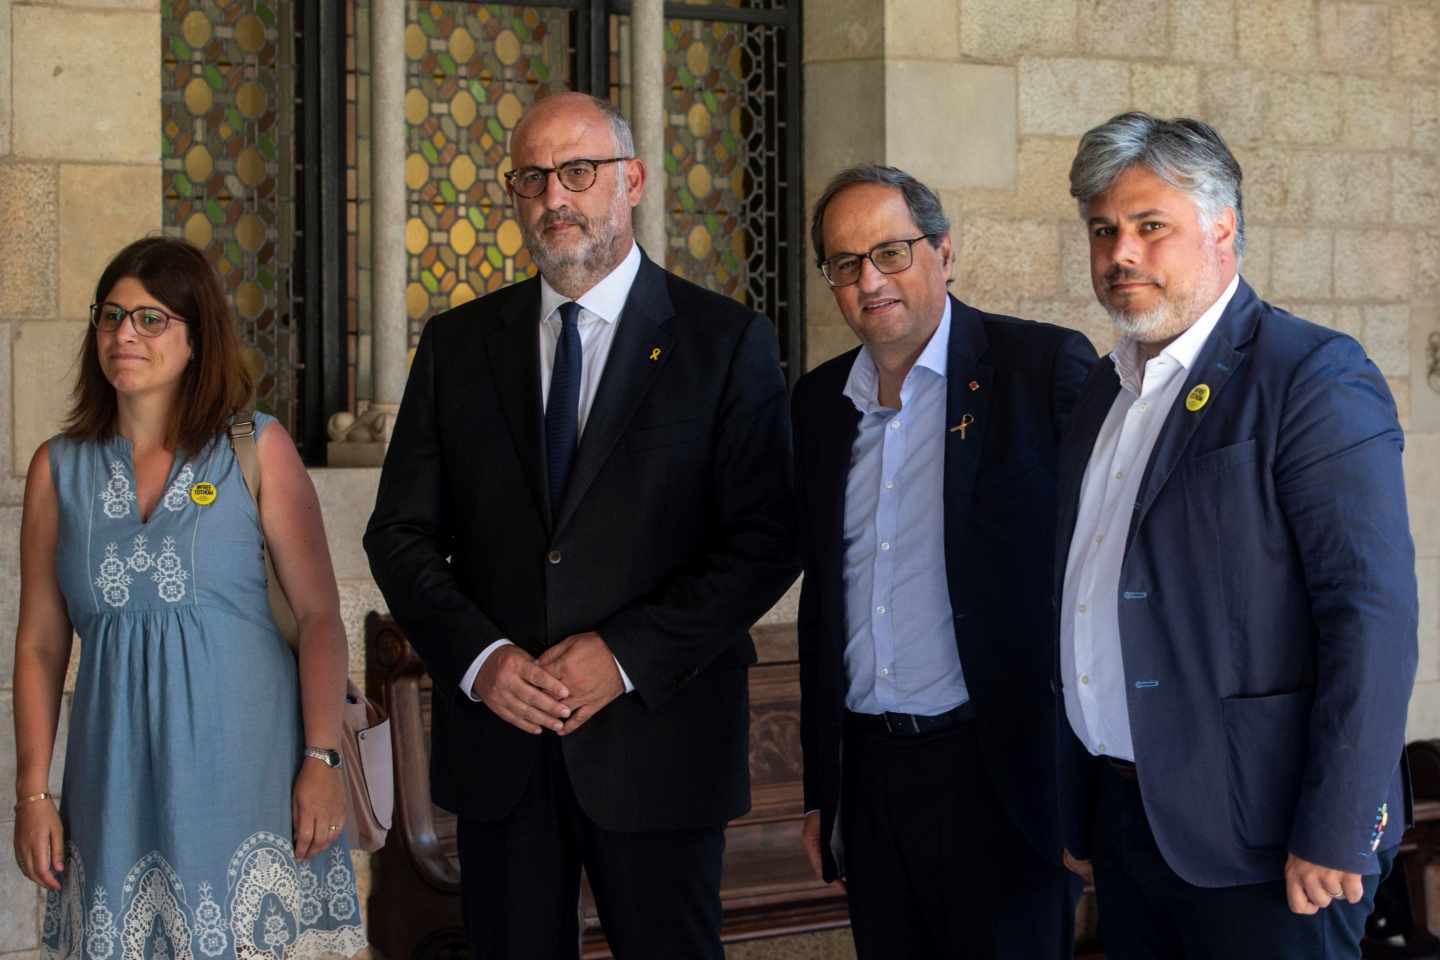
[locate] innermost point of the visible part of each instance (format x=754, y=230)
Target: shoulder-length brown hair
x=216, y=383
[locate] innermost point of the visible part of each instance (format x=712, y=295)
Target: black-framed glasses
x=893, y=256
x=147, y=321
x=574, y=175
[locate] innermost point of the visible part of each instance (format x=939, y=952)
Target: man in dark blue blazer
x=926, y=468
x=1237, y=599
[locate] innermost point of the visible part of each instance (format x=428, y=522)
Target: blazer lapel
x=830, y=475
x=968, y=380
x=514, y=347
x=1075, y=450
x=1213, y=368
x=640, y=350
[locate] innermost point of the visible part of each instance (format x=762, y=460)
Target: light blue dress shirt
x=900, y=652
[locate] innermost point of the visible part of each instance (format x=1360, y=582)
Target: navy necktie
x=562, y=406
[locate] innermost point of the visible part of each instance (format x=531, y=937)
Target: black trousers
x=1147, y=912
x=933, y=866
x=658, y=894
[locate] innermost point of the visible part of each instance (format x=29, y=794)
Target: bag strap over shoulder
x=242, y=439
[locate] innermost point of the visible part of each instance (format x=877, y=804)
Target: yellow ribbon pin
x=1197, y=398
x=203, y=493
x=654, y=354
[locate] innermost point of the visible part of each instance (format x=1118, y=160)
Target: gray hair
x=1187, y=154
x=624, y=139
x=925, y=208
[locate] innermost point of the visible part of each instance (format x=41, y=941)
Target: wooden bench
x=766, y=887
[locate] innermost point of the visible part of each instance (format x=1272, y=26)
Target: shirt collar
x=862, y=387
x=605, y=300
x=1182, y=350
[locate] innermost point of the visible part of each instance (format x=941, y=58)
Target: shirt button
x=1084, y=678
x=880, y=609
x=885, y=546
x=1143, y=405
x=1119, y=475
x=1099, y=538
x=1100, y=747
x=553, y=556
x=889, y=484
x=884, y=671
x=895, y=424
x=1083, y=608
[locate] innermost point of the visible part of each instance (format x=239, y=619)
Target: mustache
x=563, y=215
x=1119, y=274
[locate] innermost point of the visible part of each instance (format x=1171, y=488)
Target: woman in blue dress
x=200, y=815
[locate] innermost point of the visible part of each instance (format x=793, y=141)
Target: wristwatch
x=331, y=758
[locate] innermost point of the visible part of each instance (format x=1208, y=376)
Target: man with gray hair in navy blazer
x=1235, y=583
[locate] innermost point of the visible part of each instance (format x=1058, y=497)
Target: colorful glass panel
x=725, y=159
x=226, y=95
x=473, y=70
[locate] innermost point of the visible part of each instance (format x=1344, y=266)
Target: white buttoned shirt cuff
x=467, y=682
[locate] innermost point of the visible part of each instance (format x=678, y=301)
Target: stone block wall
x=1333, y=109
x=79, y=177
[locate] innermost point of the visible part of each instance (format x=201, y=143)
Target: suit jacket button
x=553, y=556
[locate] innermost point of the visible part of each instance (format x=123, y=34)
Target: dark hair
x=216, y=383
x=924, y=205
x=1187, y=154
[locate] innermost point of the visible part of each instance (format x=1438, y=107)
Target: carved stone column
x=647, y=63
x=360, y=439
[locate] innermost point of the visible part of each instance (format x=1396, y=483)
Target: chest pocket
x=1225, y=458
x=663, y=435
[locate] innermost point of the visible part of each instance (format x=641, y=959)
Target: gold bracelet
x=45, y=795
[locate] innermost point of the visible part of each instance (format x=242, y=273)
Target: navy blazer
x=1018, y=380
x=1267, y=607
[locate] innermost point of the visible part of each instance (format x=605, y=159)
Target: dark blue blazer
x=1267, y=607
x=1018, y=380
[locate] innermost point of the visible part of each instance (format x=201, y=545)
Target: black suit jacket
x=999, y=531
x=675, y=534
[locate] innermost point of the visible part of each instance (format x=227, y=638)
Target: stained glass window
x=227, y=87
x=731, y=161
x=473, y=71
x=726, y=167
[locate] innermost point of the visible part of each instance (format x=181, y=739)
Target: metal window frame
x=318, y=294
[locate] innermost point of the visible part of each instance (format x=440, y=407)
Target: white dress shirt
x=900, y=652
x=600, y=309
x=1091, y=665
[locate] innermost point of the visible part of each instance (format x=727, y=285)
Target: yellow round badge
x=1197, y=398
x=203, y=493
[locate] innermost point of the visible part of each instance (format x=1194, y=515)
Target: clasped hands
x=569, y=684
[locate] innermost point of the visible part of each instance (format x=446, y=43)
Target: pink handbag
x=365, y=749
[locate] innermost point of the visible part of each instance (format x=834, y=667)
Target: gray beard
x=592, y=259
x=1144, y=327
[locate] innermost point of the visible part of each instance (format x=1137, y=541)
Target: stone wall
x=1333, y=110
x=79, y=177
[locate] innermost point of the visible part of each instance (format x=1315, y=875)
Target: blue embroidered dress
x=185, y=735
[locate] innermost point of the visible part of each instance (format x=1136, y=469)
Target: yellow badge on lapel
x=203, y=493
x=1197, y=398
